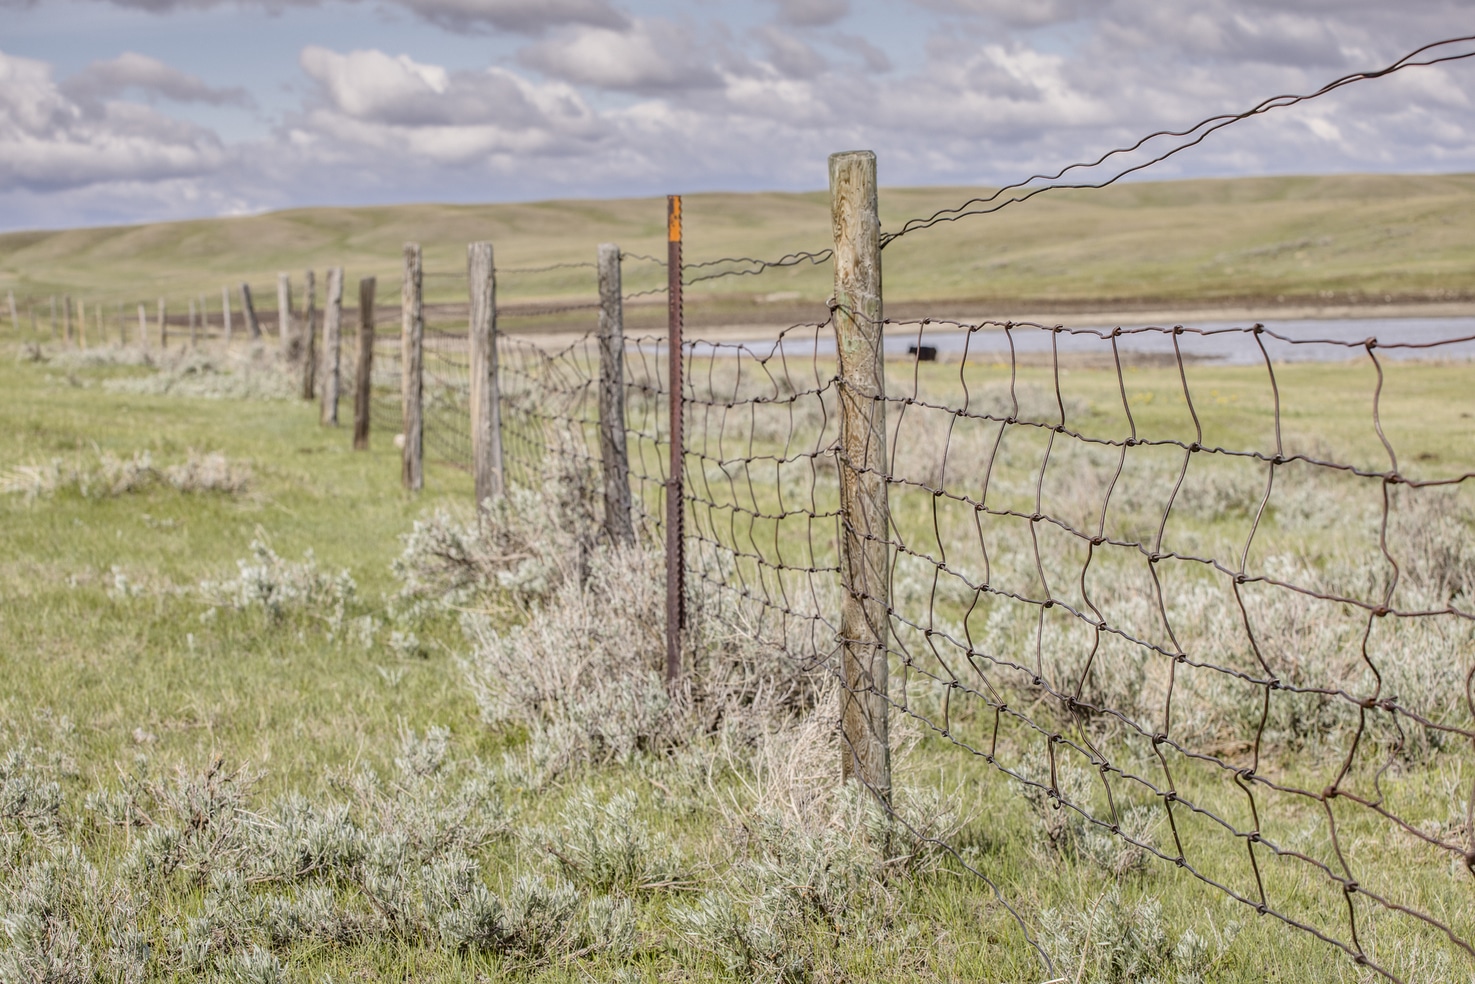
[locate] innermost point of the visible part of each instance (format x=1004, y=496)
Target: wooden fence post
x=66, y=314
x=53, y=317
x=412, y=340
x=675, y=477
x=332, y=346
x=122, y=326
x=486, y=409
x=163, y=325
x=253, y=323
x=225, y=313
x=81, y=323
x=143, y=328
x=310, y=336
x=286, y=336
x=864, y=513
x=364, y=380
x=613, y=454
x=14, y=318
x=193, y=331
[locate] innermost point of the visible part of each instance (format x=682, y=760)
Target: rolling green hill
x=1348, y=238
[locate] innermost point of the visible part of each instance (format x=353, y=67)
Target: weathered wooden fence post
x=613, y=454
x=332, y=347
x=486, y=408
x=143, y=327
x=66, y=313
x=14, y=318
x=193, y=328
x=225, y=314
x=865, y=629
x=364, y=379
x=675, y=479
x=310, y=337
x=53, y=317
x=253, y=323
x=122, y=326
x=412, y=340
x=286, y=337
x=163, y=325
x=81, y=323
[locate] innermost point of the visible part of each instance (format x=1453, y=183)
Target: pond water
x=1223, y=343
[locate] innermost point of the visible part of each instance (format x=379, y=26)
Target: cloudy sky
x=127, y=110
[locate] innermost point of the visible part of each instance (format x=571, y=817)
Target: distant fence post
x=486, y=400
x=66, y=313
x=53, y=317
x=675, y=478
x=253, y=323
x=122, y=326
x=864, y=513
x=14, y=318
x=163, y=325
x=143, y=327
x=332, y=346
x=412, y=341
x=286, y=341
x=81, y=323
x=193, y=327
x=225, y=314
x=486, y=409
x=310, y=336
x=613, y=454
x=364, y=379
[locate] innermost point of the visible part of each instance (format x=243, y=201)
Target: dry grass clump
x=277, y=587
x=253, y=373
x=107, y=475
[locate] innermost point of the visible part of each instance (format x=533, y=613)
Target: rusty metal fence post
x=613, y=452
x=675, y=489
x=865, y=515
x=412, y=339
x=486, y=410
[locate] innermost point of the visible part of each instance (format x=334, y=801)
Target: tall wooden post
x=412, y=340
x=364, y=379
x=253, y=323
x=225, y=314
x=122, y=326
x=310, y=336
x=53, y=317
x=163, y=325
x=486, y=409
x=14, y=318
x=194, y=334
x=865, y=516
x=81, y=323
x=286, y=338
x=143, y=327
x=613, y=454
x=675, y=476
x=66, y=314
x=332, y=347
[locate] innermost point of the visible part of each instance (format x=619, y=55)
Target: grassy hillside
x=1342, y=238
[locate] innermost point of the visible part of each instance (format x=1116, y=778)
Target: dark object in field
x=924, y=353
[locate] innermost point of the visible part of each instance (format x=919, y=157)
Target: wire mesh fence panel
x=550, y=407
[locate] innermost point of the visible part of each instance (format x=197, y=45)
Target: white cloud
x=812, y=13
x=49, y=140
x=151, y=77
x=651, y=56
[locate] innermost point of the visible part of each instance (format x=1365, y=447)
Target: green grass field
x=1344, y=239
x=125, y=679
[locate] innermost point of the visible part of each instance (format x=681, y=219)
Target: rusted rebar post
x=675, y=487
